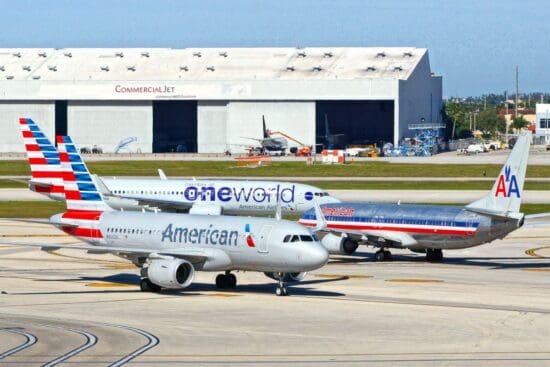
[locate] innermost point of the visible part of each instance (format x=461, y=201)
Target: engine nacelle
x=288, y=277
x=338, y=244
x=171, y=273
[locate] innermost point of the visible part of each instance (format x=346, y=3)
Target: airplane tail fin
x=81, y=192
x=264, y=129
x=505, y=196
x=46, y=177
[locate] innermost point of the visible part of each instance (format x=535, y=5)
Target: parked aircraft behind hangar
x=171, y=247
x=196, y=196
x=429, y=228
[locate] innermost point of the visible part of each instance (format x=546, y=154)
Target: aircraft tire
x=147, y=286
x=281, y=291
x=231, y=280
x=434, y=255
x=221, y=281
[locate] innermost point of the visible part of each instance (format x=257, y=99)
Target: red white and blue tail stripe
x=84, y=202
x=43, y=160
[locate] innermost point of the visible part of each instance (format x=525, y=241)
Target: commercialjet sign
x=144, y=89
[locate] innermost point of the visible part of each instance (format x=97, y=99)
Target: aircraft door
x=263, y=240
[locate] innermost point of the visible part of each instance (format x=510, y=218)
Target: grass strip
x=283, y=169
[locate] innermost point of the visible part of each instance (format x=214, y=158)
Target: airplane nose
x=317, y=256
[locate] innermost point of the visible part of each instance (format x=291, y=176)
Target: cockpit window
x=306, y=238
x=295, y=238
x=287, y=238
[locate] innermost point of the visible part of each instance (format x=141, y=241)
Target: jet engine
x=338, y=244
x=288, y=277
x=171, y=273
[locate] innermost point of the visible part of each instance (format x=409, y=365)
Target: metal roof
x=208, y=64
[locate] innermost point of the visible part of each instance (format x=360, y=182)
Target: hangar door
x=174, y=126
x=112, y=126
x=354, y=122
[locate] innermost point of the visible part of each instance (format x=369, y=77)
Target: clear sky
x=474, y=44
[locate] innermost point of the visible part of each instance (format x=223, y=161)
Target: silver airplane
x=214, y=197
x=169, y=248
x=428, y=229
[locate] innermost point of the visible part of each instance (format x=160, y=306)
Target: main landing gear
x=382, y=255
x=281, y=289
x=226, y=281
x=434, y=255
x=147, y=286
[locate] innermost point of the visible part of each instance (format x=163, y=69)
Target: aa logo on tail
x=507, y=184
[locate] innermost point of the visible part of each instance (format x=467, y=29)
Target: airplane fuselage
x=229, y=243
x=432, y=226
x=233, y=196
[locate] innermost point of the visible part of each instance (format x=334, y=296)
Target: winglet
x=278, y=214
x=320, y=217
x=162, y=175
x=103, y=189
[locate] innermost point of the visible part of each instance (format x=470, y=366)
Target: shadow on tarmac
x=489, y=262
x=196, y=288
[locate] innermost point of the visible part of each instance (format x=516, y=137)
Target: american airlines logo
x=204, y=236
x=251, y=194
x=144, y=89
x=507, y=184
x=339, y=212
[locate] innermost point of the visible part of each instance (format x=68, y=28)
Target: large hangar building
x=212, y=100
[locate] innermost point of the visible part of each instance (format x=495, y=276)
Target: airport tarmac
x=488, y=306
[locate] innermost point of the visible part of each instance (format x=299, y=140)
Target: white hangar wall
x=420, y=97
x=42, y=112
x=112, y=94
x=106, y=123
x=229, y=125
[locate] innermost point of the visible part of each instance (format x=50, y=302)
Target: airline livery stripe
x=83, y=232
x=32, y=147
x=82, y=214
x=461, y=231
x=72, y=195
x=49, y=188
x=38, y=161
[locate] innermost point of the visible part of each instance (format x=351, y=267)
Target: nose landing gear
x=281, y=289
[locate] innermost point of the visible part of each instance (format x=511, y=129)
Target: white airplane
x=171, y=247
x=235, y=197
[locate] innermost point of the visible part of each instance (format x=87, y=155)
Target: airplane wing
x=167, y=205
x=192, y=254
x=383, y=238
